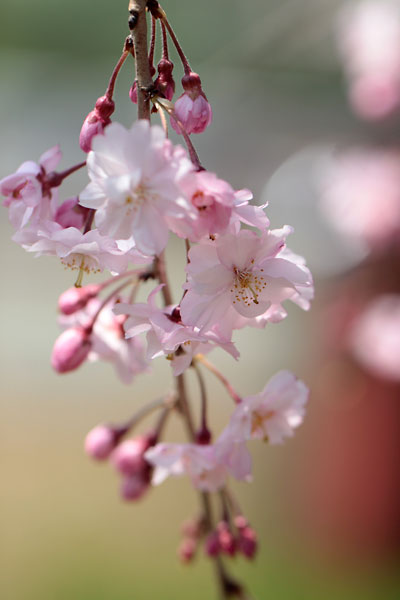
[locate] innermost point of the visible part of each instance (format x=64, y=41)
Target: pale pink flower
x=361, y=196
x=369, y=40
x=89, y=251
x=215, y=205
x=192, y=108
x=375, y=337
x=166, y=335
x=240, y=275
x=273, y=414
x=134, y=184
x=206, y=467
x=25, y=196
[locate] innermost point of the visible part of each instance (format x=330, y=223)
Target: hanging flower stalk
x=142, y=188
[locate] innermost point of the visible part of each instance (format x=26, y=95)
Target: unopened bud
x=192, y=108
x=211, y=545
x=247, y=542
x=71, y=214
x=100, y=442
x=187, y=550
x=133, y=93
x=128, y=457
x=134, y=487
x=75, y=299
x=226, y=539
x=104, y=107
x=92, y=125
x=70, y=349
x=165, y=82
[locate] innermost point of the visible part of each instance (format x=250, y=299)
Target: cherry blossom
x=134, y=184
x=241, y=275
x=201, y=463
x=25, y=195
x=273, y=414
x=375, y=337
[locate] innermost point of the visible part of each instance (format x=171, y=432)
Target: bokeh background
x=326, y=505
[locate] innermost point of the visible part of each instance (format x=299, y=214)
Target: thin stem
x=184, y=60
x=166, y=401
x=203, y=393
x=165, y=53
x=107, y=300
x=110, y=88
x=184, y=407
x=152, y=42
x=89, y=220
x=233, y=394
x=168, y=107
x=161, y=273
x=112, y=280
x=143, y=75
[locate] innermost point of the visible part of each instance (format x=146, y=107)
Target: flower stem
x=233, y=394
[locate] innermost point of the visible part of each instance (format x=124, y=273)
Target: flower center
x=202, y=201
x=247, y=286
x=135, y=199
x=258, y=420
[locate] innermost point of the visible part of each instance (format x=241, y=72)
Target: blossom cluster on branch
x=142, y=189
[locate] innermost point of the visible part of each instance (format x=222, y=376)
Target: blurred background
x=294, y=99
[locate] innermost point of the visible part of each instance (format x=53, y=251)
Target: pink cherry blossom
x=134, y=184
x=25, y=197
x=202, y=463
x=166, y=335
x=361, y=196
x=240, y=275
x=273, y=414
x=375, y=337
x=91, y=251
x=369, y=39
x=215, y=205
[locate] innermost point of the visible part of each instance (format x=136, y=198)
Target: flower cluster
x=141, y=189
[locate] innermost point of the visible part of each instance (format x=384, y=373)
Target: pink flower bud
x=165, y=82
x=192, y=109
x=75, y=299
x=134, y=487
x=211, y=545
x=133, y=93
x=71, y=214
x=70, y=349
x=226, y=540
x=128, y=457
x=187, y=550
x=100, y=442
x=247, y=542
x=92, y=125
x=104, y=107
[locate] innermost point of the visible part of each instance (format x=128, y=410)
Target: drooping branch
x=137, y=8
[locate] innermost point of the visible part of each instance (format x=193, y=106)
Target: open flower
x=273, y=414
x=134, y=184
x=240, y=275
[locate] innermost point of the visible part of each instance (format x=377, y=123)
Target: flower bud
x=70, y=349
x=92, y=125
x=134, y=487
x=211, y=545
x=192, y=108
x=71, y=214
x=104, y=107
x=128, y=457
x=133, y=93
x=226, y=540
x=165, y=82
x=187, y=550
x=247, y=542
x=75, y=299
x=100, y=442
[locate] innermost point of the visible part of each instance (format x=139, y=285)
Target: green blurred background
x=269, y=69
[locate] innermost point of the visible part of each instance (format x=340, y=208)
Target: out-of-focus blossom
x=375, y=337
x=369, y=40
x=273, y=414
x=100, y=442
x=361, y=196
x=71, y=349
x=134, y=184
